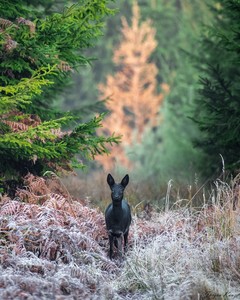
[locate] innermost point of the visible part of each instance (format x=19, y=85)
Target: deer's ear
x=110, y=180
x=125, y=181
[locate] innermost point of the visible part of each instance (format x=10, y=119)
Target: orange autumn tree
x=134, y=103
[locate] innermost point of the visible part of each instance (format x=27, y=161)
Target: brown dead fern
x=30, y=24
x=4, y=23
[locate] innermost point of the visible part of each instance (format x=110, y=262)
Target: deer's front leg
x=111, y=238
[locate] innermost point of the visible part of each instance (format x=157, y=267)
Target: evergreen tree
x=218, y=107
x=38, y=52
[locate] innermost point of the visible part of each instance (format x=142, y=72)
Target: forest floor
x=55, y=247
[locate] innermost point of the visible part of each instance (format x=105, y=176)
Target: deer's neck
x=117, y=206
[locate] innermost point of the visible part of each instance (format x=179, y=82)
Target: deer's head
x=117, y=189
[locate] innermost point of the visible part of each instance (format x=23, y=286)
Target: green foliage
x=38, y=51
x=217, y=107
x=21, y=94
x=57, y=38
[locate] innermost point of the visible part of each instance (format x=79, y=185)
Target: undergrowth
x=54, y=246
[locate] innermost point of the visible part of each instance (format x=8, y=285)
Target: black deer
x=118, y=216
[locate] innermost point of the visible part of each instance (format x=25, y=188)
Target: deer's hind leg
x=126, y=241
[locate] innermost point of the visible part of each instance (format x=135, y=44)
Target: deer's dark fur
x=118, y=216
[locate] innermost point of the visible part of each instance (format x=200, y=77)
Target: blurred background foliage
x=196, y=134
x=167, y=152
x=217, y=105
x=197, y=137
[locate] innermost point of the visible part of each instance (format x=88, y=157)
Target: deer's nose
x=116, y=196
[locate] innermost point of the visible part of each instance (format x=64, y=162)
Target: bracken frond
x=11, y=208
x=16, y=126
x=30, y=24
x=10, y=44
x=24, y=122
x=4, y=23
x=64, y=66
